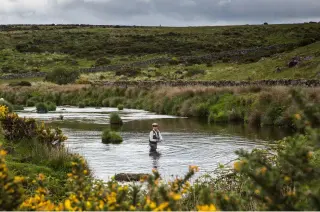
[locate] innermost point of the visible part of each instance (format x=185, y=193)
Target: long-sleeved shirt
x=155, y=136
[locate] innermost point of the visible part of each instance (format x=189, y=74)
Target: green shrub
x=6, y=103
x=115, y=101
x=194, y=71
x=51, y=106
x=128, y=72
x=22, y=83
x=41, y=107
x=200, y=110
x=221, y=116
x=110, y=137
x=115, y=119
x=273, y=112
x=120, y=107
x=174, y=61
x=81, y=105
x=102, y=61
x=18, y=107
x=209, y=64
x=31, y=103
x=61, y=76
x=106, y=102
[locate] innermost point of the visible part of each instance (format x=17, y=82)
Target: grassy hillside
x=43, y=48
x=264, y=68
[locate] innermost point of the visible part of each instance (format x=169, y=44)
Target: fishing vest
x=156, y=135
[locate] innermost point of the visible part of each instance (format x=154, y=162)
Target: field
x=32, y=49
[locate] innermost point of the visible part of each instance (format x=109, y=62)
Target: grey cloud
x=165, y=12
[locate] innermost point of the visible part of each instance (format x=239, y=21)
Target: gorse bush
x=11, y=190
x=111, y=137
x=3, y=111
x=16, y=128
x=7, y=104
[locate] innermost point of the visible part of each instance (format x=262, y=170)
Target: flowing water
x=186, y=141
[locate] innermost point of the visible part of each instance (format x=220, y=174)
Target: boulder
x=308, y=58
x=294, y=62
x=278, y=70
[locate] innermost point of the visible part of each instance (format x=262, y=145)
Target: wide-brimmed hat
x=155, y=124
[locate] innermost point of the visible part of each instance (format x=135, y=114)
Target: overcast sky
x=158, y=12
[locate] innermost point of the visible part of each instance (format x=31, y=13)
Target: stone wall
x=23, y=75
x=302, y=83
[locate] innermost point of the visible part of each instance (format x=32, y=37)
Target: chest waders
x=154, y=144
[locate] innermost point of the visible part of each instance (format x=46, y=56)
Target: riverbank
x=29, y=154
x=255, y=105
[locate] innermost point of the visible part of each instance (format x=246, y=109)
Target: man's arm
x=160, y=137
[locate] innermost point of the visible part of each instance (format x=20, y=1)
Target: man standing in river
x=154, y=138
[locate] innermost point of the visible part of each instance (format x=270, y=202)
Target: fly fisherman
x=154, y=137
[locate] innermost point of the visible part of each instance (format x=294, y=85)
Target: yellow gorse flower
x=194, y=168
x=210, y=207
x=3, y=152
x=175, y=196
x=297, y=116
x=162, y=206
x=3, y=111
x=238, y=165
x=18, y=179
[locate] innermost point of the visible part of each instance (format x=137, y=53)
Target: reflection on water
x=186, y=141
x=155, y=156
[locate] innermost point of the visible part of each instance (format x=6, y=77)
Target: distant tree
x=265, y=23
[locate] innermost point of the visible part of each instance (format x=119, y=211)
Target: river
x=186, y=141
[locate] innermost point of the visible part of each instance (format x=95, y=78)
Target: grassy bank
x=258, y=106
x=30, y=152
